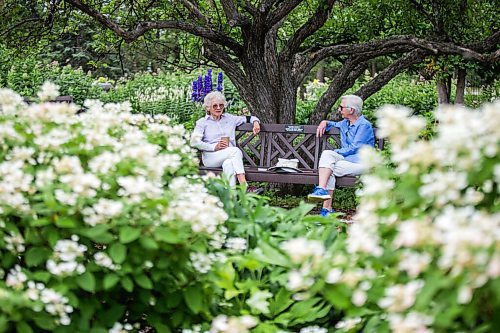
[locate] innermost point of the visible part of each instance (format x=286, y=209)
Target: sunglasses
x=220, y=106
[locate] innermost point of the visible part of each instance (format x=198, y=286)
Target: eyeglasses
x=220, y=106
x=342, y=107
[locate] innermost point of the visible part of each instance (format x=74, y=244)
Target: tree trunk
x=459, y=96
x=320, y=74
x=373, y=68
x=442, y=91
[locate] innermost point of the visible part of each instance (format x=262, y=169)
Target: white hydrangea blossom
x=121, y=328
x=400, y=297
x=14, y=242
x=237, y=244
x=66, y=253
x=413, y=322
x=16, y=278
x=258, y=301
x=225, y=324
x=302, y=249
x=313, y=329
x=48, y=91
x=194, y=205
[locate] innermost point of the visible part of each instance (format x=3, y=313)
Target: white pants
x=340, y=167
x=231, y=160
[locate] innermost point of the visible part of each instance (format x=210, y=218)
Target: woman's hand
x=221, y=145
x=321, y=128
x=256, y=127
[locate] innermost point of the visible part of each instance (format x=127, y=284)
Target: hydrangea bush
x=423, y=254
x=103, y=227
x=99, y=217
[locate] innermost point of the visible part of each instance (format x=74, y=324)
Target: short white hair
x=207, y=101
x=355, y=102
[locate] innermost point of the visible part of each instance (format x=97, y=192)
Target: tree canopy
x=268, y=47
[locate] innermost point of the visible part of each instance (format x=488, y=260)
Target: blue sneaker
x=319, y=194
x=325, y=212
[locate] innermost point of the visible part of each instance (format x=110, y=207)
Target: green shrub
x=93, y=228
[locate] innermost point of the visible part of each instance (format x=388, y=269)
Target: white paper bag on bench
x=286, y=166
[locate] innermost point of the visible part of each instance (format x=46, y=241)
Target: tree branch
x=315, y=22
x=401, y=64
x=343, y=80
x=234, y=18
x=143, y=27
x=282, y=11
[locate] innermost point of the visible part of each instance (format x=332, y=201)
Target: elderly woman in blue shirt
x=208, y=137
x=355, y=132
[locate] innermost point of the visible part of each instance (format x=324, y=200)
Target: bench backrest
x=286, y=141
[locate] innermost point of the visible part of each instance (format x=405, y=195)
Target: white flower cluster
x=195, y=206
x=225, y=324
x=412, y=322
x=49, y=91
x=258, y=301
x=102, y=259
x=16, y=278
x=14, y=242
x=308, y=254
x=121, y=328
x=53, y=302
x=203, y=262
x=66, y=253
x=313, y=329
x=10, y=102
x=451, y=226
x=236, y=244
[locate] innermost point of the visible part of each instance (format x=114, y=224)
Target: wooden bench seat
x=262, y=151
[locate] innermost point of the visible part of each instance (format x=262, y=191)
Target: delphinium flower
x=199, y=89
x=194, y=93
x=208, y=82
x=219, y=82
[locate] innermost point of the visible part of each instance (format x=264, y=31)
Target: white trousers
x=339, y=166
x=231, y=160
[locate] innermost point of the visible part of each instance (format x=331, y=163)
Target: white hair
x=207, y=101
x=353, y=101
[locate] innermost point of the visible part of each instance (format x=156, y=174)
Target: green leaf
x=281, y=302
x=148, y=243
x=167, y=235
x=36, y=255
x=110, y=280
x=271, y=255
x=129, y=234
x=23, y=327
x=44, y=321
x=118, y=252
x=86, y=281
x=65, y=222
x=144, y=281
x=127, y=283
x=98, y=234
x=192, y=297
x=39, y=222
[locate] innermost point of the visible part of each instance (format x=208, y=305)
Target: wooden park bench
x=274, y=141
x=58, y=99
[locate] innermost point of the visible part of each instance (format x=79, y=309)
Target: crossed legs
x=332, y=165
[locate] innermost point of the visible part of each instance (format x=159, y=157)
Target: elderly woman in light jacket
x=208, y=137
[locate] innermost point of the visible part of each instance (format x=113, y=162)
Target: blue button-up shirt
x=207, y=132
x=353, y=137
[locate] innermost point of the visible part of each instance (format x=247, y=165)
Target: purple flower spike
x=194, y=94
x=219, y=82
x=208, y=82
x=200, y=89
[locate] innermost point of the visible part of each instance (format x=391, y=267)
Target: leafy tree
x=268, y=47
